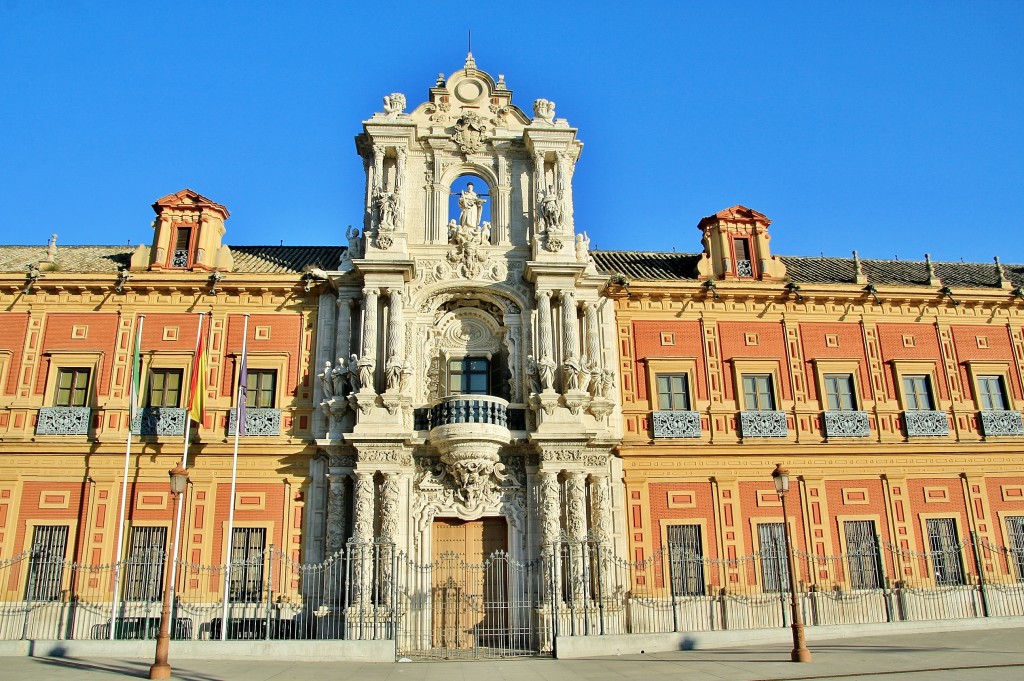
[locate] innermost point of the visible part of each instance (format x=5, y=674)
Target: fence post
x=600, y=589
x=884, y=581
x=29, y=592
x=270, y=589
x=981, y=573
x=672, y=588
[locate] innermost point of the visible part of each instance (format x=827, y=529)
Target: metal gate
x=452, y=609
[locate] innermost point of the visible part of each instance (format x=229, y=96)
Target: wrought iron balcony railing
x=925, y=423
x=258, y=421
x=63, y=421
x=1002, y=422
x=763, y=424
x=676, y=423
x=160, y=421
x=847, y=424
x=468, y=409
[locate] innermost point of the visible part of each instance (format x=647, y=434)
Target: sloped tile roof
x=811, y=270
x=100, y=259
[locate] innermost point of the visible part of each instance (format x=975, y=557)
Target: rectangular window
x=917, y=392
x=992, y=393
x=744, y=268
x=839, y=392
x=686, y=559
x=182, y=257
x=757, y=392
x=774, y=563
x=46, y=565
x=468, y=376
x=72, y=387
x=945, y=551
x=247, y=545
x=862, y=554
x=673, y=392
x=260, y=388
x=1015, y=534
x=144, y=571
x=164, y=388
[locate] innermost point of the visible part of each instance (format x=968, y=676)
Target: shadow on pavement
x=136, y=669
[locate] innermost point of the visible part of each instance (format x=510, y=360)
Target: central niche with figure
x=470, y=209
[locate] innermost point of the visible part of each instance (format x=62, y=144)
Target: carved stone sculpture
x=471, y=206
x=533, y=372
x=387, y=210
x=393, y=374
x=394, y=104
x=470, y=133
x=339, y=378
x=355, y=249
x=546, y=371
x=366, y=365
x=582, y=248
x=571, y=374
x=544, y=109
x=353, y=372
x=326, y=381
x=551, y=209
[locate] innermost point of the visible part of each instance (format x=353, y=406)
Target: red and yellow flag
x=197, y=386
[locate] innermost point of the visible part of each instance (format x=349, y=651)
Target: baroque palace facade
x=465, y=376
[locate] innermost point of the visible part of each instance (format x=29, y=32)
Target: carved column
x=570, y=356
x=565, y=188
x=539, y=187
x=593, y=334
x=368, y=360
x=548, y=498
x=501, y=208
x=394, y=364
x=576, y=528
x=600, y=507
x=362, y=536
x=389, y=502
x=544, y=347
x=343, y=329
x=337, y=512
x=378, y=166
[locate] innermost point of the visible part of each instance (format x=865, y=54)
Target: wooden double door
x=470, y=583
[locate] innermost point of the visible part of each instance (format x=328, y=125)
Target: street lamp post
x=780, y=476
x=160, y=668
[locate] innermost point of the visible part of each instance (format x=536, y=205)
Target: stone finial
x=394, y=104
x=500, y=85
x=470, y=62
x=51, y=248
x=933, y=279
x=858, y=270
x=1001, y=279
x=440, y=80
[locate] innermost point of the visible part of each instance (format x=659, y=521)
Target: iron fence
x=504, y=607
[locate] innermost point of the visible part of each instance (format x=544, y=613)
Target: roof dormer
x=736, y=246
x=188, y=233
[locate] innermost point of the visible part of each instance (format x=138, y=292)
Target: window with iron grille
x=686, y=560
x=46, y=566
x=182, y=254
x=862, y=554
x=247, y=545
x=945, y=551
x=774, y=563
x=992, y=393
x=757, y=392
x=469, y=376
x=839, y=392
x=72, y=387
x=1015, y=534
x=744, y=265
x=673, y=392
x=917, y=392
x=260, y=388
x=144, y=569
x=164, y=388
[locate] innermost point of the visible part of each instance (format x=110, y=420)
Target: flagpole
x=239, y=425
x=133, y=401
x=184, y=464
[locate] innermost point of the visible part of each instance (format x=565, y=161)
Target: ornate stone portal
x=466, y=362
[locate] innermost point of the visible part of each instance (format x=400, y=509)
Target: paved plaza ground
x=973, y=655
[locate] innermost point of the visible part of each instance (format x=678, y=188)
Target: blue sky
x=891, y=127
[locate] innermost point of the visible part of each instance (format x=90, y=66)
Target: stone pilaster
x=544, y=346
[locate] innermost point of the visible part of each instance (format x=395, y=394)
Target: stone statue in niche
x=340, y=377
x=471, y=206
x=387, y=209
x=365, y=368
x=571, y=374
x=533, y=372
x=326, y=383
x=394, y=104
x=546, y=372
x=551, y=209
x=393, y=374
x=544, y=109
